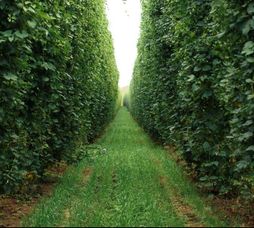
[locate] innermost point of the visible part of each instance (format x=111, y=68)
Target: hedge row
x=58, y=84
x=193, y=86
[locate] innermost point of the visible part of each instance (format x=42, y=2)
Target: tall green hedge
x=193, y=86
x=58, y=85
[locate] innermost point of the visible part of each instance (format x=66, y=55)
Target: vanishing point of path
x=132, y=183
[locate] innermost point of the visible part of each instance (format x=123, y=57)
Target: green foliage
x=193, y=86
x=58, y=83
x=126, y=100
x=119, y=101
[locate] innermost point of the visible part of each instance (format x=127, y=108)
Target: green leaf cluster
x=58, y=82
x=193, y=86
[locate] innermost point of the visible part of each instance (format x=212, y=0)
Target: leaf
x=196, y=68
x=250, y=148
x=191, y=78
x=21, y=35
x=7, y=33
x=209, y=164
x=10, y=77
x=249, y=80
x=207, y=94
x=204, y=178
x=242, y=165
x=248, y=26
x=48, y=66
x=250, y=97
x=45, y=79
x=206, y=146
x=11, y=38
x=32, y=24
x=220, y=35
x=248, y=48
x=250, y=8
x=248, y=123
x=207, y=68
x=20, y=5
x=246, y=136
x=250, y=59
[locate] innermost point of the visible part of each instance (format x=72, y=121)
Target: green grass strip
x=134, y=183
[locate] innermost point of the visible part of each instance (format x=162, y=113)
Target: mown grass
x=123, y=187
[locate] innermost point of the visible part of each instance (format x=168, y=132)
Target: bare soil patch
x=14, y=208
x=181, y=207
x=86, y=174
x=233, y=210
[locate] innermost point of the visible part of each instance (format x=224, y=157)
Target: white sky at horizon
x=124, y=24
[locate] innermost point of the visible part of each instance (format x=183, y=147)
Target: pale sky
x=124, y=24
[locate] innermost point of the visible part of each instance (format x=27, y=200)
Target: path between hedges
x=132, y=183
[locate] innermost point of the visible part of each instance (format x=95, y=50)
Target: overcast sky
x=124, y=22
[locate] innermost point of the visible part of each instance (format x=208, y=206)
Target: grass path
x=134, y=183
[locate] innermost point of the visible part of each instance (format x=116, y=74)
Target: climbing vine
x=58, y=84
x=193, y=86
